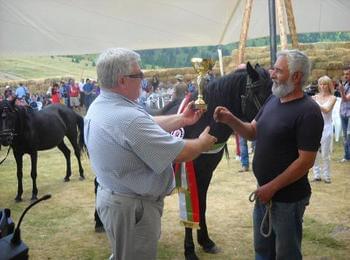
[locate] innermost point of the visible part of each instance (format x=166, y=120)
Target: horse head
x=257, y=90
x=8, y=119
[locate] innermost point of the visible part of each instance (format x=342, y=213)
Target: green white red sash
x=186, y=183
x=186, y=186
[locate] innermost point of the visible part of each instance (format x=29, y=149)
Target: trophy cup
x=201, y=66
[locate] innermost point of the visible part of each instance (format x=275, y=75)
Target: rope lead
x=267, y=215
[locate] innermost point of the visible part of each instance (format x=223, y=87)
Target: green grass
x=46, y=67
x=63, y=227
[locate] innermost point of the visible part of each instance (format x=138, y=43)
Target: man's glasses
x=136, y=76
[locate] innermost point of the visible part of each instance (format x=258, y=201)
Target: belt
x=132, y=196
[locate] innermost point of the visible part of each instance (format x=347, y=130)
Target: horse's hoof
x=18, y=199
x=212, y=250
x=191, y=256
x=81, y=178
x=99, y=229
x=66, y=179
x=34, y=198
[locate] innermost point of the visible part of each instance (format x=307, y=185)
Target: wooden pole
x=291, y=23
x=272, y=26
x=281, y=23
x=244, y=31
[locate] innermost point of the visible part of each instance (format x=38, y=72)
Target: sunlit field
x=63, y=227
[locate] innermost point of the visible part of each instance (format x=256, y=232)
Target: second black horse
x=27, y=131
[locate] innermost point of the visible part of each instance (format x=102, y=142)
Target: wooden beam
x=291, y=23
x=281, y=24
x=244, y=31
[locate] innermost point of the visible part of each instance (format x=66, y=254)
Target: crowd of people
x=75, y=95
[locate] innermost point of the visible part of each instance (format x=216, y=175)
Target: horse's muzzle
x=6, y=137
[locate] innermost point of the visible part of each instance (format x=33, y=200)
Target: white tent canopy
x=52, y=27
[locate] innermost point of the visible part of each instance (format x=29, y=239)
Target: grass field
x=62, y=227
x=27, y=68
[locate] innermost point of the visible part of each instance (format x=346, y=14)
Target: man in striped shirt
x=131, y=154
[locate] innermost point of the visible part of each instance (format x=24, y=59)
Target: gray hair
x=113, y=63
x=297, y=62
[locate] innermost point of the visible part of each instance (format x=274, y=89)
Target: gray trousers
x=132, y=224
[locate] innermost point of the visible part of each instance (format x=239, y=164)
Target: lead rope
x=8, y=151
x=267, y=216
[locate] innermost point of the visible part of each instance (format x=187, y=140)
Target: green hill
x=25, y=68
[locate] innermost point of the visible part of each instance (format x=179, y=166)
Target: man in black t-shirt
x=287, y=131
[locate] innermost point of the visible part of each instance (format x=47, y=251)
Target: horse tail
x=81, y=142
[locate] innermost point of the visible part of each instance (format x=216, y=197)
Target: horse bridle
x=249, y=94
x=6, y=132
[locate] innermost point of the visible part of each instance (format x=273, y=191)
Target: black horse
x=243, y=92
x=28, y=131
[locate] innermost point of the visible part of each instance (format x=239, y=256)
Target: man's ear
x=296, y=77
x=121, y=81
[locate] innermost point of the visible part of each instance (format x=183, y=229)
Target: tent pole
x=221, y=65
x=291, y=23
x=282, y=25
x=272, y=23
x=244, y=31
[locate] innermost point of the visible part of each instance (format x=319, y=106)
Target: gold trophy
x=201, y=66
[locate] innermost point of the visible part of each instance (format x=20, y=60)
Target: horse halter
x=6, y=132
x=249, y=94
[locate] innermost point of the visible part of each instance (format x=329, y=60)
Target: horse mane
x=226, y=91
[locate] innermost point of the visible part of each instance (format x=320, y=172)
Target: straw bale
x=317, y=73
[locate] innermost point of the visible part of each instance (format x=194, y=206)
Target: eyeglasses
x=136, y=76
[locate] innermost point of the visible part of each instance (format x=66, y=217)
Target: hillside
x=42, y=67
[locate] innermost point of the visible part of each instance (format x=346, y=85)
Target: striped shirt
x=345, y=105
x=129, y=153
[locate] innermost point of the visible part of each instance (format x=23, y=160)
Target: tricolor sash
x=186, y=183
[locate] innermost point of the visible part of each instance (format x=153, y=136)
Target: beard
x=282, y=90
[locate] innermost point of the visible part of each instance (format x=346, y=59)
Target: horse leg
x=77, y=154
x=33, y=174
x=64, y=149
x=73, y=140
x=202, y=234
x=190, y=253
x=19, y=161
x=204, y=173
x=98, y=223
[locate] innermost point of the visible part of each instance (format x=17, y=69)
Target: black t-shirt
x=282, y=130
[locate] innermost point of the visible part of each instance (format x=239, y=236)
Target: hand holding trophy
x=201, y=66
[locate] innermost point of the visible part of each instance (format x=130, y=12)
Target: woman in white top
x=326, y=100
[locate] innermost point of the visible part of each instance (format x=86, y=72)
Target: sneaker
x=328, y=181
x=344, y=160
x=244, y=169
x=316, y=179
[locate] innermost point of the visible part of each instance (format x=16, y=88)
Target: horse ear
x=253, y=74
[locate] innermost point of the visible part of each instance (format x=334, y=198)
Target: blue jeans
x=243, y=146
x=345, y=125
x=287, y=230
